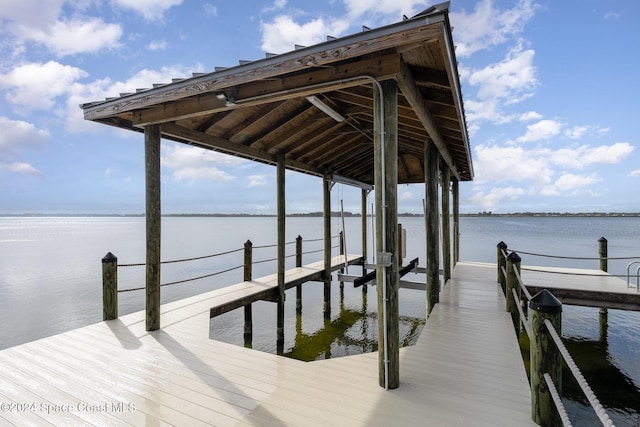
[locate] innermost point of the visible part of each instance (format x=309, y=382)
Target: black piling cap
x=502, y=245
x=514, y=257
x=545, y=302
x=602, y=239
x=109, y=257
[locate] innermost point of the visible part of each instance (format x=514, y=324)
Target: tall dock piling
x=109, y=287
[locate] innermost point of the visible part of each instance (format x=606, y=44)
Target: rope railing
x=573, y=257
x=575, y=371
x=185, y=259
x=545, y=358
x=186, y=280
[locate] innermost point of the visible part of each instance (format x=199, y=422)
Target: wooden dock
x=585, y=287
x=465, y=369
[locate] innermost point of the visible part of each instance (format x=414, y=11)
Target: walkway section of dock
x=465, y=370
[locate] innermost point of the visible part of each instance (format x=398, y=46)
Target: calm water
x=50, y=282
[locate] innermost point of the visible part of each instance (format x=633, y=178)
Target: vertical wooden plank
x=281, y=251
x=153, y=225
x=109, y=287
x=446, y=224
x=432, y=224
x=386, y=159
x=326, y=217
x=456, y=219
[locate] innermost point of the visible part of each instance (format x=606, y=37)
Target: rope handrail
x=523, y=318
x=186, y=280
x=575, y=371
x=313, y=252
x=185, y=259
x=557, y=401
x=521, y=283
x=573, y=257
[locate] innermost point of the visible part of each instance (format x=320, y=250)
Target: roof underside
x=259, y=110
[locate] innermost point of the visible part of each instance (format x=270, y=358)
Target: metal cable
x=312, y=252
x=186, y=280
x=523, y=318
x=557, y=400
x=572, y=257
x=185, y=259
x=573, y=274
x=586, y=389
x=265, y=260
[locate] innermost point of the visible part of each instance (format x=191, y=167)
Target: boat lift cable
x=344, y=235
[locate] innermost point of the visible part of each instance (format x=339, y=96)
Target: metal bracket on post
x=384, y=259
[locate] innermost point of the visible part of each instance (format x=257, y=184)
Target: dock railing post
x=545, y=357
x=603, y=254
x=502, y=262
x=109, y=287
x=248, y=312
x=299, y=264
x=513, y=262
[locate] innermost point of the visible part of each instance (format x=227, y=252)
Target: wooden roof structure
x=264, y=109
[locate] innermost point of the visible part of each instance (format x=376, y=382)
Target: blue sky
x=550, y=90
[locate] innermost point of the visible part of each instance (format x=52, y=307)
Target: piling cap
x=502, y=245
x=514, y=257
x=109, y=257
x=545, y=302
x=602, y=239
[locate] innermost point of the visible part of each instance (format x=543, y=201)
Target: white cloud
x=77, y=36
x=158, y=45
x=192, y=163
x=15, y=137
x=151, y=10
x=512, y=80
x=31, y=13
x=490, y=201
x=542, y=130
x=405, y=196
x=283, y=33
x=36, y=85
x=257, y=180
x=570, y=184
x=210, y=10
x=531, y=115
x=487, y=26
x=583, y=156
x=635, y=172
x=383, y=11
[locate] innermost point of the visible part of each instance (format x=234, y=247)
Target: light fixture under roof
x=325, y=108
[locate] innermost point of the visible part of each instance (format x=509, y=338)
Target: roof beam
x=412, y=93
x=204, y=140
x=309, y=83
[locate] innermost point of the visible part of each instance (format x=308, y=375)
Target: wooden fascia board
x=204, y=140
x=318, y=81
x=350, y=47
x=412, y=94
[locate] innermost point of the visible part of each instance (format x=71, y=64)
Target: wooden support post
x=299, y=264
x=604, y=266
x=281, y=251
x=363, y=224
x=446, y=224
x=326, y=218
x=603, y=253
x=502, y=262
x=432, y=225
x=109, y=287
x=248, y=310
x=387, y=277
x=456, y=220
x=153, y=225
x=545, y=357
x=513, y=262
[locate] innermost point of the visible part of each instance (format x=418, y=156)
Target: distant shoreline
x=336, y=214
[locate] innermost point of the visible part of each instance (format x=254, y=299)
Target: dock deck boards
x=465, y=369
